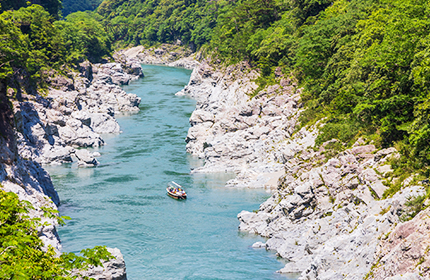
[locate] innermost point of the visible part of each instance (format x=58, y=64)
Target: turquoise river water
x=123, y=203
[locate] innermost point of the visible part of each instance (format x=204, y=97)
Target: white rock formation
x=236, y=133
x=326, y=219
x=41, y=130
x=49, y=128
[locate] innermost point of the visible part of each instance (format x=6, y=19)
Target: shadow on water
x=123, y=203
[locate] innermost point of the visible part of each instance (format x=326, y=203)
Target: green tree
x=52, y=6
x=83, y=36
x=21, y=253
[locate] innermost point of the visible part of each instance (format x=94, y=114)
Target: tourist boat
x=175, y=191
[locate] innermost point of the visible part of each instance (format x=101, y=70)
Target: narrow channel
x=122, y=203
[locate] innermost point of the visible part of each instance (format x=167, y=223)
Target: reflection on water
x=123, y=203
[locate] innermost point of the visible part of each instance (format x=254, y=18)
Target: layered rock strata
x=327, y=221
x=24, y=177
x=405, y=250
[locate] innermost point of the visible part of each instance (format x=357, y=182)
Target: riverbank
x=326, y=215
x=51, y=128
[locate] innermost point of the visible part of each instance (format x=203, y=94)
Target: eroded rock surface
x=24, y=177
x=49, y=128
x=326, y=215
x=327, y=220
x=236, y=133
x=405, y=250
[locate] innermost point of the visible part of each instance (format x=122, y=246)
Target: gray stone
x=103, y=123
x=85, y=158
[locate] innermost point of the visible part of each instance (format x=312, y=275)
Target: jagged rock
x=319, y=216
x=103, y=123
x=76, y=134
x=120, y=79
x=135, y=69
x=83, y=116
x=384, y=152
x=86, y=70
x=405, y=251
x=57, y=154
x=85, y=158
x=63, y=83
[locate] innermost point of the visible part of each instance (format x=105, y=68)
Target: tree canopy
x=21, y=250
x=33, y=42
x=363, y=63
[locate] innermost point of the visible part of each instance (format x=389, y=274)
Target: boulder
x=134, y=69
x=85, y=158
x=82, y=116
x=58, y=154
x=103, y=123
x=120, y=78
x=86, y=70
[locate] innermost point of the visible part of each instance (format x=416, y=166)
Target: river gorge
x=122, y=202
x=262, y=196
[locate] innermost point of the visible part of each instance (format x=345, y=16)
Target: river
x=122, y=202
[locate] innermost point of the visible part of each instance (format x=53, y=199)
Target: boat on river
x=176, y=191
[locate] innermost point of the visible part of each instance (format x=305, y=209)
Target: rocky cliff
x=326, y=215
x=51, y=128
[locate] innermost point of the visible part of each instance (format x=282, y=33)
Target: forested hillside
x=52, y=6
x=363, y=64
x=34, y=42
x=148, y=22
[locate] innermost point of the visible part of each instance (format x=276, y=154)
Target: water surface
x=123, y=203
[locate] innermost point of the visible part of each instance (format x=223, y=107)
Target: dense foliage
x=166, y=21
x=364, y=64
x=72, y=6
x=21, y=250
x=33, y=43
x=52, y=6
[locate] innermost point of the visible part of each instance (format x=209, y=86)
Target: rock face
x=25, y=178
x=406, y=250
x=50, y=128
x=234, y=133
x=326, y=215
x=39, y=130
x=327, y=220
